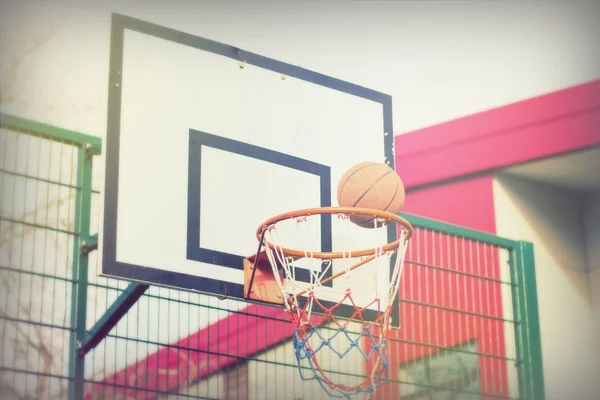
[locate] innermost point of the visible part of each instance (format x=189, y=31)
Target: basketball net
x=318, y=288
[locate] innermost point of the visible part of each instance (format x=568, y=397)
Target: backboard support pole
x=111, y=317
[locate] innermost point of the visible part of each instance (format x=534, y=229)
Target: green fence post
x=515, y=262
x=532, y=317
x=80, y=270
x=527, y=330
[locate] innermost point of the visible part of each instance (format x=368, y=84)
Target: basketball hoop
x=314, y=286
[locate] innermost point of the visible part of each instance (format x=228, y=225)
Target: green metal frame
x=528, y=335
x=77, y=139
x=525, y=300
x=521, y=265
x=81, y=264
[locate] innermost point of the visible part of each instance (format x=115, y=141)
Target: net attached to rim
x=340, y=301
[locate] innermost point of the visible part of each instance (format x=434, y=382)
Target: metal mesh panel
x=38, y=191
x=467, y=303
x=458, y=325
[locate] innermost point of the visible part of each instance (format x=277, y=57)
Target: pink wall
x=467, y=202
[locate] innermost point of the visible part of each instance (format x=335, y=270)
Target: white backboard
x=205, y=141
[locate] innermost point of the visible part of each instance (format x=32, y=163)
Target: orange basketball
x=371, y=185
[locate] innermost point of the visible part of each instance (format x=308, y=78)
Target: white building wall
x=553, y=220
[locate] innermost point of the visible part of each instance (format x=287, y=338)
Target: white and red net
x=340, y=301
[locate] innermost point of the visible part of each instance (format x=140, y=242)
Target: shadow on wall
x=592, y=233
x=553, y=219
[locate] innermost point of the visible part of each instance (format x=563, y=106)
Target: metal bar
x=33, y=225
x=531, y=329
x=50, y=132
x=455, y=230
x=35, y=323
x=145, y=392
x=37, y=179
x=33, y=273
x=450, y=387
x=80, y=270
x=520, y=312
x=30, y=372
x=89, y=245
x=444, y=347
x=111, y=317
x=74, y=362
x=456, y=272
x=459, y=310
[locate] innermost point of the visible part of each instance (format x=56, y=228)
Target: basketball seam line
x=394, y=196
x=386, y=207
x=341, y=189
x=371, y=187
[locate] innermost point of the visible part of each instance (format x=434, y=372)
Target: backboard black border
x=199, y=140
x=120, y=23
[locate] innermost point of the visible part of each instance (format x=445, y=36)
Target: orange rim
x=336, y=210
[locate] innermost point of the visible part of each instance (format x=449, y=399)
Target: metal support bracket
x=111, y=317
x=93, y=150
x=89, y=245
x=259, y=281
